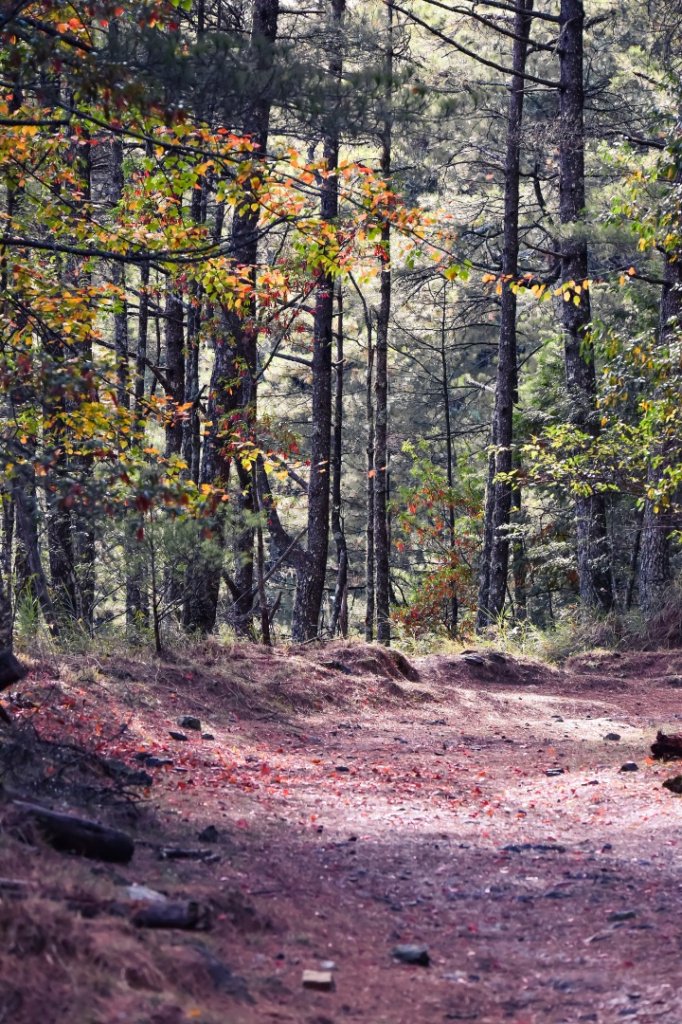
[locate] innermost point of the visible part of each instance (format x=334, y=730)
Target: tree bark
x=495, y=554
x=340, y=590
x=593, y=553
x=232, y=391
x=311, y=577
x=655, y=572
x=453, y=603
x=381, y=529
x=175, y=369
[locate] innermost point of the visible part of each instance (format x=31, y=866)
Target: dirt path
x=479, y=812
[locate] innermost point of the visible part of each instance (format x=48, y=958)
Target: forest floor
x=470, y=804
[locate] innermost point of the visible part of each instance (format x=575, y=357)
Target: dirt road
x=476, y=809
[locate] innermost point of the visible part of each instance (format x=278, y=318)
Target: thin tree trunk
x=191, y=438
x=340, y=590
x=495, y=555
x=260, y=566
x=453, y=603
x=26, y=505
x=370, y=603
x=175, y=369
x=655, y=572
x=311, y=580
x=381, y=532
x=519, y=561
x=137, y=602
x=593, y=553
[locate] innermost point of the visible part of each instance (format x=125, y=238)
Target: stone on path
x=190, y=722
x=410, y=954
x=674, y=784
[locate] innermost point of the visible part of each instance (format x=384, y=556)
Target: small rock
x=179, y=736
x=207, y=736
x=615, y=736
x=341, y=768
x=554, y=771
x=412, y=955
x=190, y=722
x=144, y=894
x=557, y=718
x=321, y=981
x=473, y=659
x=629, y=766
x=674, y=784
x=621, y=915
x=327, y=965
x=209, y=835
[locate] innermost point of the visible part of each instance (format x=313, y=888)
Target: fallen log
x=667, y=747
x=70, y=834
x=188, y=916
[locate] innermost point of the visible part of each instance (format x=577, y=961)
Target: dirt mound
x=483, y=668
x=656, y=668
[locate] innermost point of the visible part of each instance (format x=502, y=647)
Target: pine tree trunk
x=593, y=553
x=370, y=604
x=453, y=603
x=175, y=369
x=340, y=591
x=311, y=580
x=657, y=523
x=381, y=531
x=495, y=555
x=232, y=392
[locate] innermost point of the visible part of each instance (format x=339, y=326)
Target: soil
x=360, y=802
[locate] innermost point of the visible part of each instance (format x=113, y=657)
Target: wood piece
x=667, y=747
x=187, y=916
x=321, y=981
x=71, y=834
x=179, y=853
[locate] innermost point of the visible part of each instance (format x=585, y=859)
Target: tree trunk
x=590, y=511
x=340, y=591
x=453, y=603
x=232, y=392
x=175, y=369
x=381, y=532
x=495, y=555
x=191, y=440
x=311, y=580
x=657, y=523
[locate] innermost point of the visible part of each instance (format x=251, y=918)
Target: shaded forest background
x=339, y=317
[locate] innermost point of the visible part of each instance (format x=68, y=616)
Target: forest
x=339, y=319
x=340, y=511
